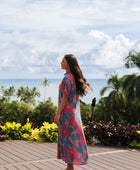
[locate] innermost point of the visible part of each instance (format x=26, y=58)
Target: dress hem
x=71, y=162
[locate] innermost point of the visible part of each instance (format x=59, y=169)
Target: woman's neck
x=67, y=70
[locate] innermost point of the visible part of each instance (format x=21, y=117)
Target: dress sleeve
x=66, y=86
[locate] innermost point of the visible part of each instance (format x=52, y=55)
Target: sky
x=36, y=34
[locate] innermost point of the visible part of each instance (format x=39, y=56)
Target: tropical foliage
x=123, y=100
x=44, y=111
x=136, y=143
x=85, y=110
x=123, y=134
x=20, y=112
x=15, y=111
x=115, y=97
x=28, y=95
x=46, y=133
x=131, y=83
x=133, y=59
x=7, y=92
x=26, y=107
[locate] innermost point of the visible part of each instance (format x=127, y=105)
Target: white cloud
x=32, y=52
x=63, y=14
x=112, y=52
x=35, y=34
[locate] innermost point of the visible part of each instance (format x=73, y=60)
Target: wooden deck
x=24, y=155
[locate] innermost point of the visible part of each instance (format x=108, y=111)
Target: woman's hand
x=56, y=119
x=60, y=109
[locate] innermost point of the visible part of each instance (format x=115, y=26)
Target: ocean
x=52, y=89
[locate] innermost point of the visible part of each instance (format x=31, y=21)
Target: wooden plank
x=21, y=167
x=124, y=161
x=7, y=159
x=23, y=151
x=34, y=149
x=100, y=163
x=10, y=167
x=40, y=165
x=49, y=165
x=32, y=167
x=15, y=156
x=39, y=150
x=27, y=154
x=2, y=161
x=2, y=168
x=24, y=155
x=60, y=164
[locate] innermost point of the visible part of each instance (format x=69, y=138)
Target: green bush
x=20, y=111
x=44, y=111
x=102, y=111
x=132, y=111
x=15, y=111
x=85, y=110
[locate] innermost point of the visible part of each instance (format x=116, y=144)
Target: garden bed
x=107, y=134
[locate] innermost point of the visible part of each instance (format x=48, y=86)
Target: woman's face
x=64, y=64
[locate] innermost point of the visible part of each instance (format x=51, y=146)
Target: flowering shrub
x=108, y=134
x=46, y=133
x=34, y=135
x=12, y=129
x=136, y=143
x=26, y=131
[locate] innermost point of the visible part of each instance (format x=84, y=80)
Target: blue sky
x=36, y=34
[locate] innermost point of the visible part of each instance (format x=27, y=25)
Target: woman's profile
x=72, y=147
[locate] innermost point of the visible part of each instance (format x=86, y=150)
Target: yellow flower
x=34, y=135
x=13, y=125
x=18, y=125
x=84, y=127
x=46, y=125
x=25, y=136
x=3, y=128
x=53, y=125
x=138, y=131
x=27, y=126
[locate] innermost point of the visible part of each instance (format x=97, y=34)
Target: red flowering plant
x=109, y=134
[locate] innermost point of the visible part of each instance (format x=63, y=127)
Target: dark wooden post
x=92, y=108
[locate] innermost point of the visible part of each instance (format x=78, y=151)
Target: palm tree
x=131, y=83
x=133, y=59
x=45, y=83
x=28, y=95
x=115, y=97
x=7, y=92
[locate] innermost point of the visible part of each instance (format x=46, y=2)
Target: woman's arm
x=61, y=107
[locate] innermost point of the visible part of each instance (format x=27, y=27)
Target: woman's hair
x=81, y=83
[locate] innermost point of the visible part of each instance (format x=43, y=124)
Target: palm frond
x=133, y=59
x=128, y=80
x=104, y=90
x=112, y=96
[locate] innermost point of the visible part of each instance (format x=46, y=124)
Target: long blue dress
x=72, y=147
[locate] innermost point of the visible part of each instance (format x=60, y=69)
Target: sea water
x=53, y=88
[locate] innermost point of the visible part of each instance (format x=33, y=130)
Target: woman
x=72, y=147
